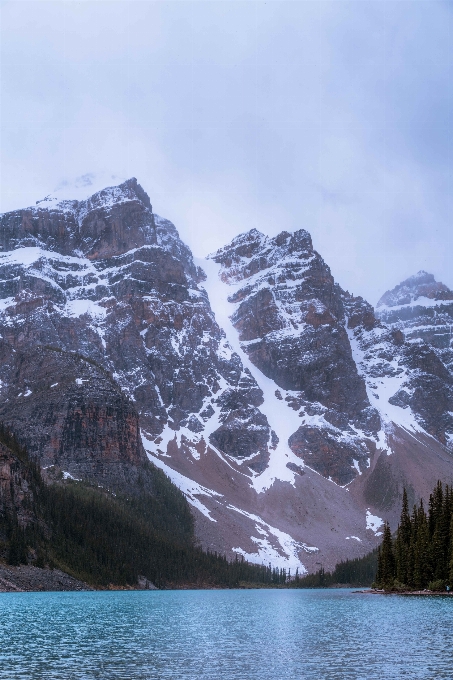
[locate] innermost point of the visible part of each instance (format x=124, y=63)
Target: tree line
x=359, y=571
x=420, y=555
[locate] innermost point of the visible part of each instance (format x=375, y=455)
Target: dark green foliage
x=422, y=548
x=103, y=538
x=360, y=571
x=403, y=541
x=386, y=558
x=17, y=552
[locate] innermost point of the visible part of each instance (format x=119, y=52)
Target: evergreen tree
x=421, y=569
x=423, y=547
x=435, y=508
x=17, y=553
x=403, y=541
x=450, y=575
x=387, y=558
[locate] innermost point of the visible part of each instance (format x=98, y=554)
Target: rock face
x=16, y=496
x=71, y=414
x=422, y=309
x=103, y=323
x=406, y=357
x=416, y=289
x=108, y=223
x=288, y=413
x=290, y=319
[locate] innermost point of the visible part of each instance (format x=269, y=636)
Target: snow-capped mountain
x=406, y=358
x=422, y=308
x=290, y=323
x=254, y=381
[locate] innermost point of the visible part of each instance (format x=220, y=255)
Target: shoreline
x=408, y=593
x=28, y=578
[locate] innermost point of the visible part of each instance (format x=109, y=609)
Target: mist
x=333, y=117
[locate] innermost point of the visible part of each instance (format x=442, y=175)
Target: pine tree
x=403, y=541
x=412, y=550
x=386, y=559
x=435, y=508
x=450, y=575
x=421, y=550
x=17, y=553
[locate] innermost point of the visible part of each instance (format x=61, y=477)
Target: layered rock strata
x=103, y=322
x=290, y=318
x=405, y=356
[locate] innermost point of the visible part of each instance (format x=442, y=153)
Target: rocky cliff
x=16, y=494
x=406, y=356
x=290, y=319
x=103, y=322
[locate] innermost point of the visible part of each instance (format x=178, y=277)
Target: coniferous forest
x=420, y=555
x=104, y=538
x=360, y=571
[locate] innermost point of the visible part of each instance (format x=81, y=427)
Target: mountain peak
x=419, y=285
x=95, y=188
x=80, y=217
x=419, y=278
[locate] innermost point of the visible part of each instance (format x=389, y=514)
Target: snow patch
x=274, y=546
x=422, y=301
x=374, y=523
x=380, y=389
x=67, y=475
x=189, y=488
x=75, y=308
x=281, y=417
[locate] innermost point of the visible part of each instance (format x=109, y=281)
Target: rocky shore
x=441, y=593
x=28, y=578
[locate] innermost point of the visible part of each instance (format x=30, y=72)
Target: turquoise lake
x=224, y=634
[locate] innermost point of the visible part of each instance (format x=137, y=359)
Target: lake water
x=224, y=635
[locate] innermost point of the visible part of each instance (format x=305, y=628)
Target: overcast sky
x=335, y=117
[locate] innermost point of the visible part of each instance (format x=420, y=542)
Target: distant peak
x=82, y=187
x=95, y=187
x=419, y=277
x=421, y=284
x=251, y=235
x=241, y=244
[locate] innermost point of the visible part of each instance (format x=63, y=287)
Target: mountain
x=332, y=359
x=290, y=321
x=259, y=386
x=407, y=357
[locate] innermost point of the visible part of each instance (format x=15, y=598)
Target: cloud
x=332, y=116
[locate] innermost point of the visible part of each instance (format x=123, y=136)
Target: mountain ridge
x=251, y=384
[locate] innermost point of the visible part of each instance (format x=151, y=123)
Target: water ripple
x=232, y=635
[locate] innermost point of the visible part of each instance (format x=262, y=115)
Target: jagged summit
x=89, y=193
x=290, y=321
x=109, y=222
x=420, y=285
x=81, y=188
x=253, y=252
